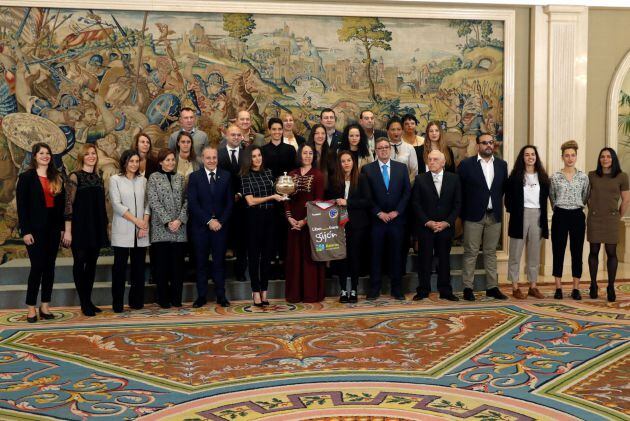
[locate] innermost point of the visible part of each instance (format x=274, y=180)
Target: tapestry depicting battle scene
x=74, y=76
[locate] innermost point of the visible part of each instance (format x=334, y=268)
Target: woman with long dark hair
x=526, y=194
x=355, y=141
x=568, y=194
x=86, y=224
x=130, y=230
x=434, y=140
x=185, y=158
x=325, y=157
x=143, y=145
x=348, y=188
x=257, y=187
x=40, y=197
x=608, y=185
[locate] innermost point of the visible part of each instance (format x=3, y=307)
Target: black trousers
x=84, y=271
x=279, y=248
x=351, y=265
x=168, y=267
x=434, y=244
x=567, y=223
x=137, y=256
x=42, y=254
x=260, y=239
x=393, y=234
x=237, y=237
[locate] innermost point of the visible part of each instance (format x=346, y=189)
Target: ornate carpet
x=383, y=360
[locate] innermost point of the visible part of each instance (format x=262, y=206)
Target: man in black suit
x=389, y=191
x=210, y=202
x=328, y=119
x=366, y=120
x=436, y=201
x=482, y=178
x=229, y=160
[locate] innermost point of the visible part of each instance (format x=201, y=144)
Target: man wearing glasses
x=389, y=192
x=482, y=180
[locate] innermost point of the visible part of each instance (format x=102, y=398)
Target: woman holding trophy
x=304, y=277
x=257, y=187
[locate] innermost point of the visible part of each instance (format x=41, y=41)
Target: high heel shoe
x=610, y=292
x=255, y=303
x=32, y=319
x=592, y=291
x=46, y=316
x=264, y=301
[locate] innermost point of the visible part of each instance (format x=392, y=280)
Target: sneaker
x=518, y=294
x=343, y=297
x=535, y=292
x=353, y=297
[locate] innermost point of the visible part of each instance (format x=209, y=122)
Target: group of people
x=399, y=189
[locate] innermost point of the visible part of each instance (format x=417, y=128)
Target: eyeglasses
x=487, y=142
x=383, y=148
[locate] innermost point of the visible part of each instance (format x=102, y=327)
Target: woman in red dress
x=304, y=277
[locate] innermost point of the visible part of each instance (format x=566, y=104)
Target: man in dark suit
x=210, y=202
x=328, y=119
x=229, y=160
x=436, y=202
x=366, y=120
x=389, y=191
x=482, y=179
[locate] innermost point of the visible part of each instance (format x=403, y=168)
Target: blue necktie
x=385, y=176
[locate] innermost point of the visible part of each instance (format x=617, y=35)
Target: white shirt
x=347, y=189
x=405, y=153
x=531, y=191
x=437, y=180
x=208, y=174
x=230, y=149
x=488, y=172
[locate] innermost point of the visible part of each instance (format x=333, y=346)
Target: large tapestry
x=77, y=76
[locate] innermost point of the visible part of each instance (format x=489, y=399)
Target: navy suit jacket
x=203, y=204
x=386, y=200
x=336, y=140
x=475, y=191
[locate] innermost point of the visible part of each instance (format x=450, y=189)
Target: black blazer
x=428, y=206
x=203, y=205
x=225, y=163
x=396, y=197
x=31, y=205
x=358, y=202
x=422, y=165
x=475, y=192
x=336, y=141
x=514, y=204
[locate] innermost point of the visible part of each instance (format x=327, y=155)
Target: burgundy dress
x=304, y=277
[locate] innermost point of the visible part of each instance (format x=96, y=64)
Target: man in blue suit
x=482, y=179
x=210, y=202
x=389, y=191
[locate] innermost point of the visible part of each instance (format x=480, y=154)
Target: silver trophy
x=285, y=186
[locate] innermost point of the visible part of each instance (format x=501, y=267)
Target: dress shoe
x=46, y=316
x=117, y=309
x=535, y=292
x=398, y=297
x=96, y=309
x=164, y=305
x=518, y=294
x=420, y=296
x=371, y=297
x=32, y=319
x=575, y=294
x=496, y=294
x=88, y=311
x=558, y=294
x=468, y=294
x=353, y=298
x=449, y=296
x=177, y=304
x=610, y=293
x=343, y=297
x=199, y=302
x=265, y=302
x=223, y=302
x=592, y=291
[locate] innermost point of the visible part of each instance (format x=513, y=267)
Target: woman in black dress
x=86, y=224
x=40, y=200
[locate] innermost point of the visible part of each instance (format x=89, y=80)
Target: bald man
x=436, y=202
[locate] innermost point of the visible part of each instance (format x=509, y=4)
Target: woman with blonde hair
x=86, y=224
x=289, y=136
x=40, y=199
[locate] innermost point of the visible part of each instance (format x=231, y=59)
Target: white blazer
x=127, y=195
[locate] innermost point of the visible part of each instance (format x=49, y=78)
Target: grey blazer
x=168, y=202
x=127, y=195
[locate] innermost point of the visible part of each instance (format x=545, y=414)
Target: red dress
x=304, y=277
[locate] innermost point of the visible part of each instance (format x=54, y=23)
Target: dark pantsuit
x=42, y=254
x=567, y=223
x=260, y=235
x=205, y=243
x=393, y=235
x=439, y=245
x=237, y=238
x=351, y=265
x=137, y=256
x=168, y=265
x=84, y=271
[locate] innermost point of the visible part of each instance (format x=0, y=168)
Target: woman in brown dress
x=304, y=277
x=608, y=185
